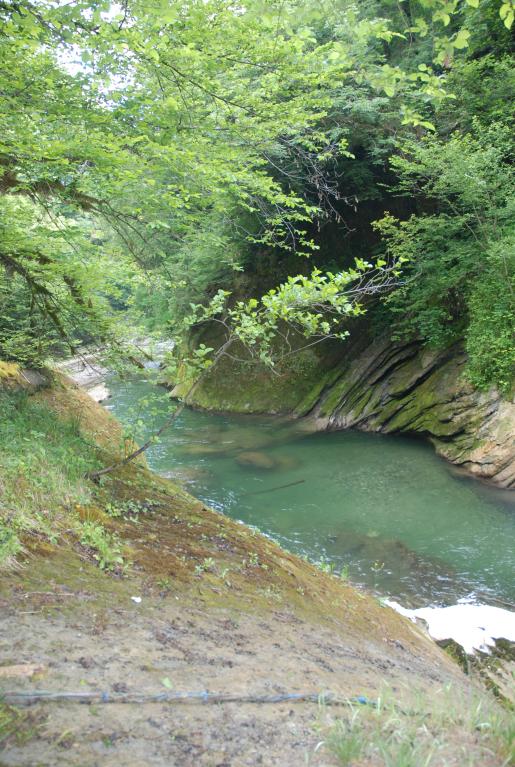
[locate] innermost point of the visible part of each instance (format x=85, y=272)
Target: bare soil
x=110, y=643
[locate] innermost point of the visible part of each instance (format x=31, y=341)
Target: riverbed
x=384, y=512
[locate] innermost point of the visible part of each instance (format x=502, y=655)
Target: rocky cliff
x=382, y=386
x=391, y=388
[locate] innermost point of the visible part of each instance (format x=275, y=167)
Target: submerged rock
x=286, y=462
x=256, y=460
x=186, y=474
x=403, y=571
x=247, y=438
x=203, y=448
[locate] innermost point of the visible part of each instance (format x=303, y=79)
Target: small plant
x=344, y=573
x=164, y=583
x=10, y=544
x=113, y=510
x=272, y=593
x=207, y=565
x=326, y=566
x=106, y=546
x=130, y=510
x=376, y=567
x=10, y=722
x=346, y=741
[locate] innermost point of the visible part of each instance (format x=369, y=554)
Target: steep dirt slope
x=222, y=609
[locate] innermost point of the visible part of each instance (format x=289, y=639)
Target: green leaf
x=462, y=39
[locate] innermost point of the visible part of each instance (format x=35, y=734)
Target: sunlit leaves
x=198, y=130
x=461, y=39
x=507, y=13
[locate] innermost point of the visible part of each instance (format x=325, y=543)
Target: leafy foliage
x=148, y=154
x=461, y=271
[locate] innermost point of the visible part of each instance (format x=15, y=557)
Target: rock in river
x=256, y=460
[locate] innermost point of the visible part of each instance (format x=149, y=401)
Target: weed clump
x=448, y=730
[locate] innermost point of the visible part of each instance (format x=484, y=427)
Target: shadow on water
x=384, y=510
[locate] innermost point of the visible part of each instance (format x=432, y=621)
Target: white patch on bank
x=473, y=626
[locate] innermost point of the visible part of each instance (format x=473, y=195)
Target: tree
x=194, y=135
x=160, y=119
x=460, y=273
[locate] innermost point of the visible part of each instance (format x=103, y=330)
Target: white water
x=473, y=626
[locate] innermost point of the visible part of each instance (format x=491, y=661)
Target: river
x=386, y=512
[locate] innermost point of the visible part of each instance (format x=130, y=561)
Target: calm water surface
x=386, y=510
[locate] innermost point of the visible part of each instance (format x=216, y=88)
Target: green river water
x=385, y=510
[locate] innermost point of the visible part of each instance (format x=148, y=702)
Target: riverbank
x=197, y=602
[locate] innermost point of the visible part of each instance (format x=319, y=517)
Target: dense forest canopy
x=151, y=152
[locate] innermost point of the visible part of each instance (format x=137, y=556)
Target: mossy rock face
x=9, y=371
x=12, y=376
x=245, y=385
x=251, y=388
x=497, y=670
x=391, y=387
x=456, y=652
x=380, y=386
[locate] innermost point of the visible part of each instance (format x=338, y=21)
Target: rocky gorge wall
x=382, y=386
x=394, y=388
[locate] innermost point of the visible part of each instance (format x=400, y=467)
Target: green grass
x=449, y=730
x=43, y=460
x=16, y=725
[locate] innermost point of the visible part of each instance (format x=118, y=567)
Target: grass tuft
x=448, y=730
